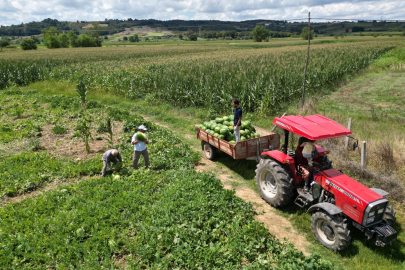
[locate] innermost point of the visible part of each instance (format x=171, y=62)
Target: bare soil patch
x=65, y=146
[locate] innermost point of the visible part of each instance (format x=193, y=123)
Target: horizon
x=22, y=11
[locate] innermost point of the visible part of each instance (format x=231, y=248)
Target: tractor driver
x=302, y=162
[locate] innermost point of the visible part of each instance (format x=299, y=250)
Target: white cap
x=142, y=127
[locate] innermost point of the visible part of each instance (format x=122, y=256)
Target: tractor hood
x=349, y=187
x=351, y=196
x=313, y=127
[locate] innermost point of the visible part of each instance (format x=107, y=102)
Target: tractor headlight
x=370, y=220
x=380, y=210
x=372, y=214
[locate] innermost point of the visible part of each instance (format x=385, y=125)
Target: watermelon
x=242, y=138
x=230, y=128
x=141, y=137
x=217, y=129
x=221, y=137
x=230, y=118
x=248, y=136
x=225, y=118
x=216, y=134
x=224, y=131
x=242, y=133
x=232, y=142
x=257, y=135
x=226, y=123
x=219, y=120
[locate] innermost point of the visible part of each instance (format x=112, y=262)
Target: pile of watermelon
x=222, y=128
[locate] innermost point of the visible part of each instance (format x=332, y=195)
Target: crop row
x=264, y=79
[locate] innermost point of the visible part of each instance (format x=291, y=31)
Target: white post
x=349, y=126
x=363, y=155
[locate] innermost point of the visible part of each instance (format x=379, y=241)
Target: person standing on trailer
x=237, y=119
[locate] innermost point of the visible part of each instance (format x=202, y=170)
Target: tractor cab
x=313, y=128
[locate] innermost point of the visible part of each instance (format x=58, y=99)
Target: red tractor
x=334, y=199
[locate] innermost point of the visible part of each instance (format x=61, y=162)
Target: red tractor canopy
x=313, y=127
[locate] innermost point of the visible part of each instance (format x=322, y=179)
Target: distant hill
x=177, y=26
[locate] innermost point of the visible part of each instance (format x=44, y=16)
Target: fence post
x=363, y=155
x=349, y=126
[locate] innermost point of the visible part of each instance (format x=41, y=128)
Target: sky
x=24, y=11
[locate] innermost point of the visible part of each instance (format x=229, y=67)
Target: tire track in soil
x=277, y=225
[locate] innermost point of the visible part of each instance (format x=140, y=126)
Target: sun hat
x=142, y=127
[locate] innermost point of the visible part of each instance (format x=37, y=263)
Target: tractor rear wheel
x=274, y=183
x=331, y=231
x=389, y=215
x=209, y=151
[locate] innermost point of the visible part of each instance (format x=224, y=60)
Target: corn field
x=265, y=79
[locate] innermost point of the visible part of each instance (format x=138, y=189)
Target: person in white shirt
x=140, y=148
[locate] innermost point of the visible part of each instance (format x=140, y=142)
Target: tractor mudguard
x=331, y=209
x=279, y=156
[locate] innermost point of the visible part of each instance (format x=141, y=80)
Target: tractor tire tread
x=286, y=190
x=342, y=233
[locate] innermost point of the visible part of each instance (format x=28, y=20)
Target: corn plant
x=82, y=91
x=83, y=130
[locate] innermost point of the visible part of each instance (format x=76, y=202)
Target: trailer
x=248, y=149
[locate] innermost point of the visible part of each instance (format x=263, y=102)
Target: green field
x=130, y=222
x=168, y=216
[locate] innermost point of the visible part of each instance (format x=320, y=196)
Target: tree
x=192, y=37
x=28, y=44
x=125, y=38
x=73, y=39
x=4, y=43
x=37, y=41
x=134, y=38
x=86, y=41
x=180, y=36
x=357, y=29
x=260, y=33
x=304, y=33
x=51, y=39
x=64, y=41
x=97, y=41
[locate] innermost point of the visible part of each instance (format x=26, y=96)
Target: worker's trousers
x=137, y=155
x=237, y=134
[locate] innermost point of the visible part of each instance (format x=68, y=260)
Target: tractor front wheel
x=389, y=215
x=331, y=231
x=274, y=183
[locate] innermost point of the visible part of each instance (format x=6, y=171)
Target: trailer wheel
x=389, y=215
x=274, y=183
x=331, y=231
x=209, y=151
